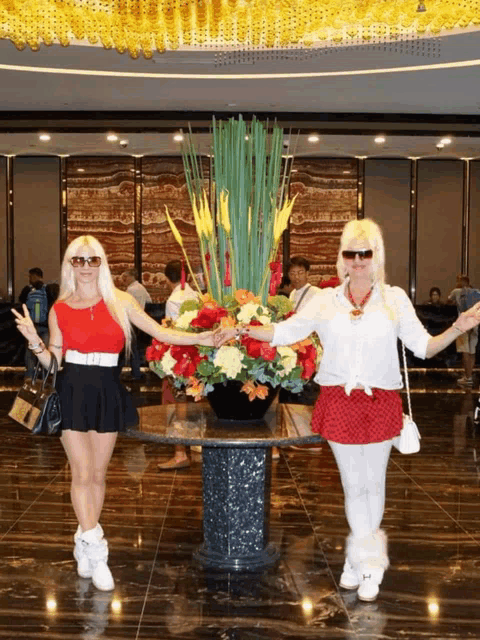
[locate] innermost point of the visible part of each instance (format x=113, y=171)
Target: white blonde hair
x=368, y=232
x=107, y=289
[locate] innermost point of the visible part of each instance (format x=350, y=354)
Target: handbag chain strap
x=407, y=384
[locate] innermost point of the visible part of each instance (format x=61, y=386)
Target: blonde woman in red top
x=89, y=325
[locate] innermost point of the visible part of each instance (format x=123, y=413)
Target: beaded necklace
x=357, y=311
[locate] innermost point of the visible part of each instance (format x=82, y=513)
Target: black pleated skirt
x=93, y=399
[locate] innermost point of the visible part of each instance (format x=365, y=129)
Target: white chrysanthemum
x=252, y=310
x=289, y=360
x=230, y=361
x=184, y=321
x=264, y=319
x=168, y=362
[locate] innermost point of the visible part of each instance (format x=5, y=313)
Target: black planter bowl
x=230, y=403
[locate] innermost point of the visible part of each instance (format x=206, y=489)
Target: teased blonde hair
x=369, y=232
x=108, y=291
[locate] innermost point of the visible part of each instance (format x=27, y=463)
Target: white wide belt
x=96, y=359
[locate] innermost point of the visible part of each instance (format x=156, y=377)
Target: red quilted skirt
x=358, y=418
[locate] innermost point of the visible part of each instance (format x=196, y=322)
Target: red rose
x=208, y=317
x=156, y=350
x=257, y=349
x=288, y=315
x=308, y=369
x=267, y=351
x=187, y=359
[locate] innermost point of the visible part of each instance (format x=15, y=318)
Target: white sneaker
x=369, y=585
x=84, y=569
x=468, y=382
x=102, y=577
x=96, y=549
x=349, y=578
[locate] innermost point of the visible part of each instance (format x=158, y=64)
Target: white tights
x=363, y=470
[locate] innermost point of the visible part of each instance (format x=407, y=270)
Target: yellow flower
x=198, y=220
x=207, y=223
x=174, y=229
x=224, y=215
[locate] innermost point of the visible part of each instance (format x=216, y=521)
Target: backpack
x=37, y=305
x=468, y=298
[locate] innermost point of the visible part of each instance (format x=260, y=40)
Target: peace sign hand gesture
x=25, y=325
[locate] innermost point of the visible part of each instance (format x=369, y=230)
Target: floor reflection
x=153, y=521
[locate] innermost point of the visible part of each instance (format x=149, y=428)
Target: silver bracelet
x=35, y=346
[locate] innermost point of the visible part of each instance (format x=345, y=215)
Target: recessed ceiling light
x=81, y=170
x=347, y=172
x=440, y=145
x=380, y=139
x=178, y=137
x=112, y=137
x=313, y=138
x=446, y=141
x=44, y=137
x=232, y=104
x=123, y=143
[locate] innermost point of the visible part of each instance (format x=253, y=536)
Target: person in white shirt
x=142, y=296
x=303, y=291
x=135, y=288
x=359, y=410
x=173, y=274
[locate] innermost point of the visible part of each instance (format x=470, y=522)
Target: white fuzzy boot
x=84, y=569
x=368, y=558
x=96, y=550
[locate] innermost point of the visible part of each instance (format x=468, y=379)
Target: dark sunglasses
x=362, y=254
x=78, y=261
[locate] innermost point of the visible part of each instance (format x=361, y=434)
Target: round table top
x=196, y=424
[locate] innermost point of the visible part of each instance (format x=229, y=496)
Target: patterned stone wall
x=327, y=199
x=100, y=202
x=164, y=185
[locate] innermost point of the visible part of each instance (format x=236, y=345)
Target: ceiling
x=433, y=84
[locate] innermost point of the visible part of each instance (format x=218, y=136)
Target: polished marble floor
x=153, y=522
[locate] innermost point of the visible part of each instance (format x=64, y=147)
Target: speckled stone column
x=236, y=508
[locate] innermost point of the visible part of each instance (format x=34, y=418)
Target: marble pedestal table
x=237, y=462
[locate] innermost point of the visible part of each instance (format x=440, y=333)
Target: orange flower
x=255, y=391
x=242, y=296
x=195, y=389
x=206, y=298
x=301, y=345
x=227, y=321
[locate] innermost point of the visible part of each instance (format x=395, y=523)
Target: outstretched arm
x=140, y=319
x=465, y=321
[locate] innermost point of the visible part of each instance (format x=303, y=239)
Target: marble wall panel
x=327, y=199
x=164, y=185
x=100, y=202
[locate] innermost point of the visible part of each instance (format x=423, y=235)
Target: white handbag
x=409, y=439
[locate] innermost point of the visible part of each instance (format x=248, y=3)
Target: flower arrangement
x=239, y=230
x=247, y=360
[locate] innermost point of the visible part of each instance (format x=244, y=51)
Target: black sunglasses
x=78, y=261
x=362, y=254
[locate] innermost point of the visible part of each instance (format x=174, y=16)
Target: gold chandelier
x=146, y=26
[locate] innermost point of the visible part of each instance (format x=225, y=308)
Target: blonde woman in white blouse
x=359, y=409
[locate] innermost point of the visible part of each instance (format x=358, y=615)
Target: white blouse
x=362, y=353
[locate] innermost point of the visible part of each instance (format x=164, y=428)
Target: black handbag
x=37, y=405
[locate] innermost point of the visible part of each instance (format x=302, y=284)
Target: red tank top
x=89, y=330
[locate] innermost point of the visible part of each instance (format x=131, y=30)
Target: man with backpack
x=38, y=297
x=465, y=296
